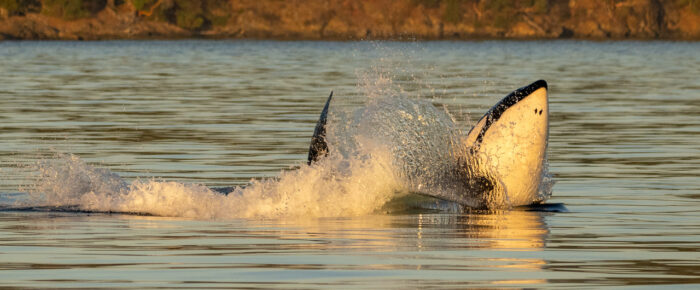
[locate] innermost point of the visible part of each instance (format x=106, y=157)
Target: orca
x=502, y=158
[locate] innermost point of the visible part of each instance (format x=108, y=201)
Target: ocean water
x=109, y=149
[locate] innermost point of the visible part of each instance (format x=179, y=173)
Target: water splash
x=388, y=146
x=331, y=187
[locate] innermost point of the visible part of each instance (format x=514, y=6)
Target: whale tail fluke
x=319, y=147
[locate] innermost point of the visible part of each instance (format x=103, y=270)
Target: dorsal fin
x=319, y=147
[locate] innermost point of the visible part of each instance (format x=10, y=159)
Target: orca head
x=506, y=149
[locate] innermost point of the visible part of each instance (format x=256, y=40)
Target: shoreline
x=344, y=20
x=166, y=39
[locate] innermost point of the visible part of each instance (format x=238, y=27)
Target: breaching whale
x=501, y=159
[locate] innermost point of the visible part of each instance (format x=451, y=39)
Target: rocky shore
x=350, y=19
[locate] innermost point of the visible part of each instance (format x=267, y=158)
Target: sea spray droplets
x=330, y=187
x=65, y=179
x=334, y=186
x=422, y=141
x=389, y=146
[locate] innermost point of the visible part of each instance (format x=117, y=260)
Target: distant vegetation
x=71, y=9
x=188, y=14
x=21, y=7
x=66, y=9
x=504, y=10
x=693, y=4
x=351, y=19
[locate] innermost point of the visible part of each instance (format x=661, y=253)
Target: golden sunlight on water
x=399, y=246
x=623, y=152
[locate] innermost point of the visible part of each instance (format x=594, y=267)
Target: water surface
x=624, y=147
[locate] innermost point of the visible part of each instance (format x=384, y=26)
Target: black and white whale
x=501, y=160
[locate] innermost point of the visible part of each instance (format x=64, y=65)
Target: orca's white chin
x=508, y=147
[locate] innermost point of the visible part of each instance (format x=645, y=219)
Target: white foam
x=388, y=146
x=331, y=187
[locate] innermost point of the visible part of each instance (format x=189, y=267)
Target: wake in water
x=381, y=151
x=355, y=186
x=360, y=176
x=384, y=150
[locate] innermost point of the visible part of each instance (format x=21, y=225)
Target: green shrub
x=143, y=4
x=427, y=3
x=498, y=5
x=189, y=14
x=188, y=20
x=138, y=4
x=217, y=20
x=11, y=5
x=541, y=6
x=693, y=4
x=502, y=12
x=66, y=9
x=217, y=12
x=20, y=7
x=453, y=11
x=501, y=21
x=72, y=9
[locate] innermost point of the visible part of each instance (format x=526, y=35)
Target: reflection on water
x=623, y=150
x=352, y=251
